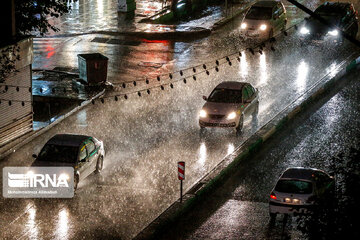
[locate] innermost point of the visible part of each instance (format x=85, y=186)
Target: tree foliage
x=8, y=57
x=31, y=17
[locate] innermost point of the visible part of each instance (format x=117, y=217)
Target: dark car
x=342, y=15
x=297, y=189
x=84, y=153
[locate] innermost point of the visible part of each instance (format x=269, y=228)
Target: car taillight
x=273, y=196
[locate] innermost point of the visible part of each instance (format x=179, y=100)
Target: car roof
x=300, y=173
x=68, y=139
x=266, y=4
x=333, y=7
x=232, y=85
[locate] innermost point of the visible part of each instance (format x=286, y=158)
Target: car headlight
x=263, y=27
x=64, y=176
x=333, y=32
x=202, y=113
x=304, y=30
x=243, y=25
x=231, y=115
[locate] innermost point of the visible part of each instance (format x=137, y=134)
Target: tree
x=31, y=17
x=8, y=56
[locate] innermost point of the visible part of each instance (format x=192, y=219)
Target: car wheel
x=202, y=131
x=271, y=33
x=240, y=125
x=284, y=27
x=272, y=217
x=99, y=164
x=356, y=29
x=76, y=182
x=256, y=110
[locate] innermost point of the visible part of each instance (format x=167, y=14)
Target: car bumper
x=203, y=123
x=281, y=208
x=255, y=34
x=320, y=39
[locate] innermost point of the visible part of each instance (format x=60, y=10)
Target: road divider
x=204, y=188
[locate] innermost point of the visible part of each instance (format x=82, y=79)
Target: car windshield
x=330, y=11
x=58, y=153
x=294, y=186
x=332, y=19
x=259, y=13
x=223, y=95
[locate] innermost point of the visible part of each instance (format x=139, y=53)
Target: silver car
x=264, y=19
x=297, y=189
x=228, y=104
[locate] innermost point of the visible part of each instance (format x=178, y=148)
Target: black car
x=339, y=14
x=84, y=153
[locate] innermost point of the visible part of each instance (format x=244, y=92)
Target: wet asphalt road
x=133, y=58
x=145, y=137
x=239, y=209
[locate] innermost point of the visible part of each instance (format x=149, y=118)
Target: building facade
x=16, y=111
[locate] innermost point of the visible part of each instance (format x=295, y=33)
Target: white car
x=297, y=189
x=264, y=19
x=228, y=104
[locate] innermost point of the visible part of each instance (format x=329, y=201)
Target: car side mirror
x=34, y=155
x=205, y=98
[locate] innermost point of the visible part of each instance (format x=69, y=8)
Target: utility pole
x=7, y=12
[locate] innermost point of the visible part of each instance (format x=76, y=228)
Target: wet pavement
x=145, y=136
x=101, y=15
x=133, y=58
x=94, y=16
x=239, y=209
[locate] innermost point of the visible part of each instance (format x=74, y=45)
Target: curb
x=204, y=187
x=21, y=141
x=196, y=34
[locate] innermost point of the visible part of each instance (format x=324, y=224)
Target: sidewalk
x=102, y=17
